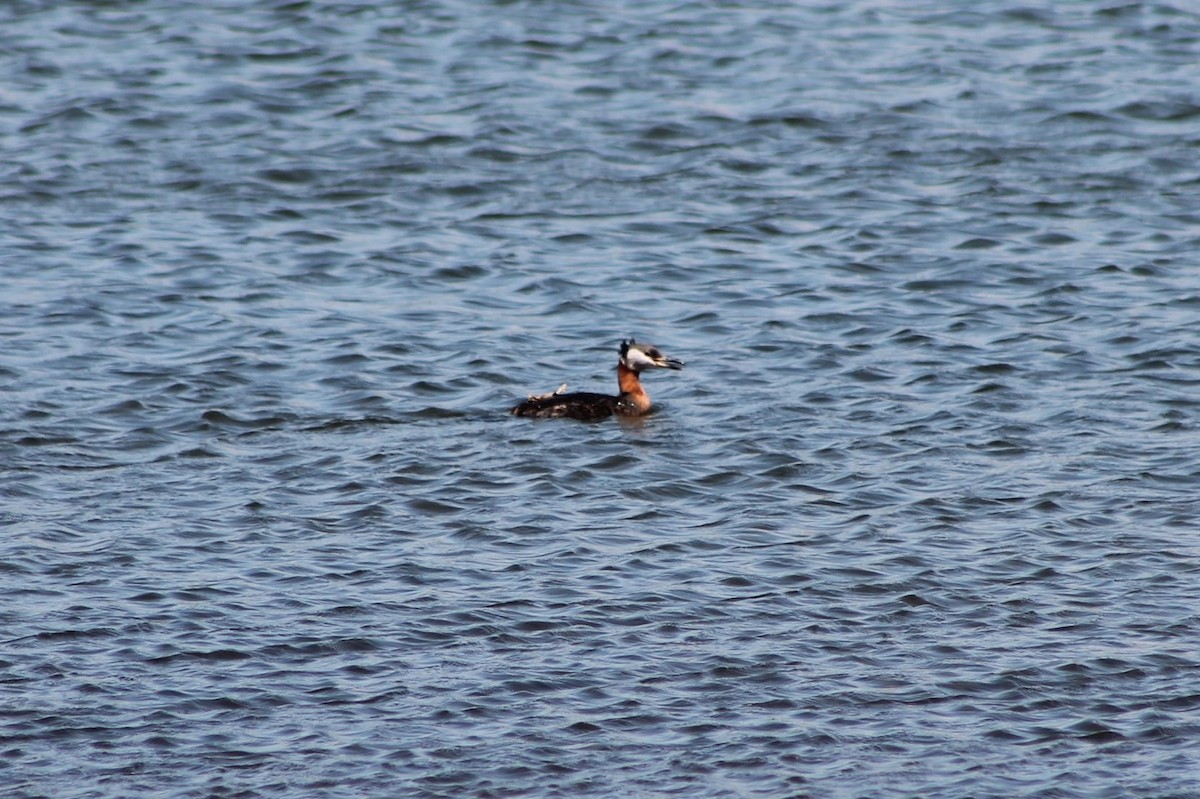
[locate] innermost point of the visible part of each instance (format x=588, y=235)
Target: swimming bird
x=632, y=401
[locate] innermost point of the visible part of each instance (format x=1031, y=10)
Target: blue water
x=919, y=518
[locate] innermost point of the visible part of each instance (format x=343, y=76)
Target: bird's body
x=631, y=401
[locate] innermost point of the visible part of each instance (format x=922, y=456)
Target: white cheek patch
x=636, y=359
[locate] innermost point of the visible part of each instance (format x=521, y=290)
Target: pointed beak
x=670, y=363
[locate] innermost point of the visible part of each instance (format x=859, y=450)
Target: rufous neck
x=633, y=395
x=628, y=380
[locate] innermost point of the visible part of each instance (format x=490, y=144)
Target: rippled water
x=919, y=518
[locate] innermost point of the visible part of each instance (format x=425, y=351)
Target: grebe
x=632, y=401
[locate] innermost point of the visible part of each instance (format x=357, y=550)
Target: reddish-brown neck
x=631, y=388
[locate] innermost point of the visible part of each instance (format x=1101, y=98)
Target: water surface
x=918, y=519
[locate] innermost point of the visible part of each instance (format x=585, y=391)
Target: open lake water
x=921, y=517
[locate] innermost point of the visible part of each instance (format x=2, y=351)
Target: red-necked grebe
x=632, y=401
